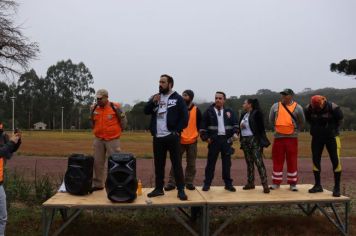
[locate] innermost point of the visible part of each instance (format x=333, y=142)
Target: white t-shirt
x=221, y=124
x=245, y=126
x=162, y=129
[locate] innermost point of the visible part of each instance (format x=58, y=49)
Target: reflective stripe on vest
x=190, y=133
x=106, y=122
x=284, y=121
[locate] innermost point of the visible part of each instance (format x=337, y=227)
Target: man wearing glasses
x=219, y=127
x=108, y=121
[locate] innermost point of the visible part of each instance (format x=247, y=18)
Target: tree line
x=68, y=86
x=266, y=97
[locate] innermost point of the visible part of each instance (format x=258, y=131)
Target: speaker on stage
x=121, y=182
x=79, y=175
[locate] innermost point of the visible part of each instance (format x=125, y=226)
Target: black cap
x=190, y=93
x=287, y=91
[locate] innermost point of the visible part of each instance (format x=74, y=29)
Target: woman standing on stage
x=253, y=139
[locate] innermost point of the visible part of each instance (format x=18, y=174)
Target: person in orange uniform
x=287, y=118
x=108, y=121
x=8, y=145
x=188, y=143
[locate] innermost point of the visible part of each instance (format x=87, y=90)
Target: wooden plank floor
x=216, y=196
x=99, y=199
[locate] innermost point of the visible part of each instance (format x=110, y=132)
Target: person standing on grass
x=219, y=126
x=324, y=118
x=253, y=139
x=108, y=121
x=188, y=143
x=287, y=118
x=8, y=145
x=169, y=116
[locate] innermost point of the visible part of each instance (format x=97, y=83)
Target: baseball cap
x=287, y=91
x=102, y=93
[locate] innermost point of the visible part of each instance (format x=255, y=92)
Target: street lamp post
x=62, y=119
x=13, y=113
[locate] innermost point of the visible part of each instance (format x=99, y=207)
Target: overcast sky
x=234, y=46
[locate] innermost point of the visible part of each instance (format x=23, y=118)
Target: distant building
x=39, y=125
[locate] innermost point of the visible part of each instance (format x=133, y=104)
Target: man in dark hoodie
x=8, y=145
x=324, y=118
x=219, y=127
x=169, y=116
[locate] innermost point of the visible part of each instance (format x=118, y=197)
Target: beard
x=162, y=90
x=187, y=102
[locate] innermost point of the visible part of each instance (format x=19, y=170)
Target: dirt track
x=56, y=166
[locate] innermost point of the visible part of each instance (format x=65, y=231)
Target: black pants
x=160, y=147
x=317, y=146
x=217, y=146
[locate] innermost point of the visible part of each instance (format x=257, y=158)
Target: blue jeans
x=3, y=212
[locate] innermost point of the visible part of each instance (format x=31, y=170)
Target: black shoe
x=230, y=188
x=248, y=186
x=336, y=192
x=96, y=189
x=155, y=193
x=266, y=188
x=169, y=187
x=316, y=189
x=205, y=188
x=190, y=186
x=181, y=195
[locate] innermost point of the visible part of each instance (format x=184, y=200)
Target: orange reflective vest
x=2, y=168
x=284, y=121
x=106, y=123
x=190, y=134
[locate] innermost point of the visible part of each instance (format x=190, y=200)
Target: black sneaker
x=248, y=186
x=155, y=193
x=169, y=187
x=316, y=189
x=181, y=195
x=190, y=186
x=336, y=192
x=230, y=188
x=205, y=188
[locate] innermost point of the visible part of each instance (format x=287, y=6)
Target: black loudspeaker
x=121, y=182
x=79, y=175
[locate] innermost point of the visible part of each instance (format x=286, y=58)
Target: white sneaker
x=274, y=186
x=293, y=187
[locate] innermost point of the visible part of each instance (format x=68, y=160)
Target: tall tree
x=347, y=67
x=70, y=85
x=16, y=50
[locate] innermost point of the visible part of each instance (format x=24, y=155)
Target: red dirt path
x=56, y=167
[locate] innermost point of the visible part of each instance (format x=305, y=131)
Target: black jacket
x=257, y=126
x=209, y=126
x=177, y=114
x=7, y=147
x=326, y=122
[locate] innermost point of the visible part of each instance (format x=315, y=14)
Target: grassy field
x=47, y=143
x=25, y=197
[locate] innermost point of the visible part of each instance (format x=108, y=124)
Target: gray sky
x=234, y=46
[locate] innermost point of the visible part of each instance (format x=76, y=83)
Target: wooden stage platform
x=70, y=206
